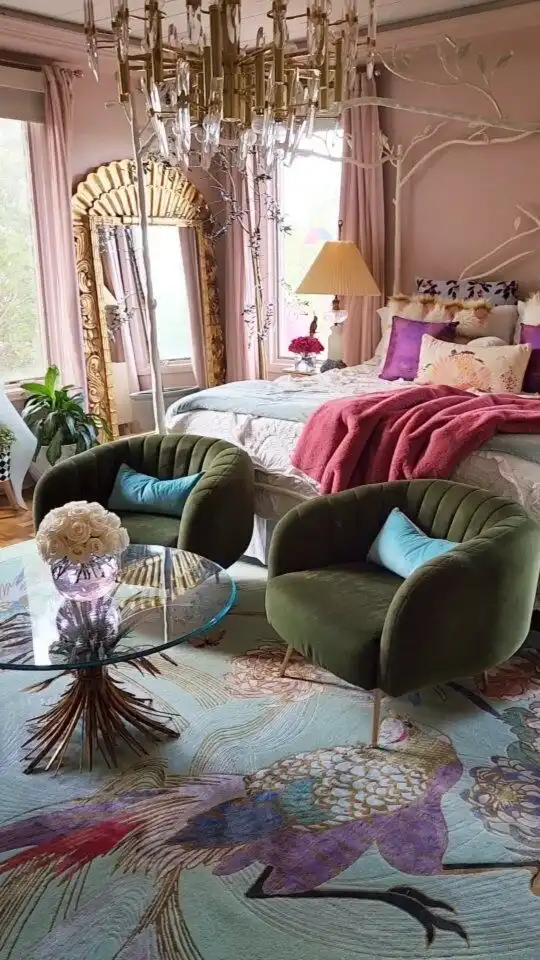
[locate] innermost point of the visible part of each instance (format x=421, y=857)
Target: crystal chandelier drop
x=205, y=89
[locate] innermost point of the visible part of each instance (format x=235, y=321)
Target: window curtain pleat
x=190, y=258
x=50, y=157
x=362, y=215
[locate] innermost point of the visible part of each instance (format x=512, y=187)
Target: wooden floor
x=15, y=525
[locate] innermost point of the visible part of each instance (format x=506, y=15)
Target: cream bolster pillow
x=487, y=368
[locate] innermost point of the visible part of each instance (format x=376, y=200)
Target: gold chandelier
x=269, y=95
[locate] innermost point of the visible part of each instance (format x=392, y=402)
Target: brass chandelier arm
x=271, y=93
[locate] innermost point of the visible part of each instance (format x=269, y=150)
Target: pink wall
x=463, y=202
x=100, y=134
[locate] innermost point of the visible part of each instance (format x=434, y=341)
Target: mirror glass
x=120, y=278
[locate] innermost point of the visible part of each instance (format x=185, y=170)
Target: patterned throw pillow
x=489, y=369
x=497, y=292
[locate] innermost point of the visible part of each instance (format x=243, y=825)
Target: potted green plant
x=7, y=438
x=57, y=418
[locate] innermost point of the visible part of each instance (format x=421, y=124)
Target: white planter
x=41, y=465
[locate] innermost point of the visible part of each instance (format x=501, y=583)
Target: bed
x=266, y=418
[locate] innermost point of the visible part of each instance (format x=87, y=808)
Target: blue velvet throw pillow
x=401, y=547
x=138, y=493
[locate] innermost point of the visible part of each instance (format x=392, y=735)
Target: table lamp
x=340, y=269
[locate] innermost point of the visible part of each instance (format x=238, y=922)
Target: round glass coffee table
x=162, y=597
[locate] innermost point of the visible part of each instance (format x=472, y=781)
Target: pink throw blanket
x=424, y=432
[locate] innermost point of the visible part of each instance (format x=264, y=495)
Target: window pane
x=168, y=277
x=309, y=201
x=21, y=349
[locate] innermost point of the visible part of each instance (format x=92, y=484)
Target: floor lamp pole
x=156, y=380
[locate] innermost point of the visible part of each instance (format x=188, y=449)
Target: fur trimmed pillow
x=399, y=305
x=488, y=369
x=529, y=310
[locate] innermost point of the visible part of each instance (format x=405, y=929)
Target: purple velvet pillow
x=531, y=334
x=403, y=354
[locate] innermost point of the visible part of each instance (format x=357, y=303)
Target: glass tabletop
x=162, y=596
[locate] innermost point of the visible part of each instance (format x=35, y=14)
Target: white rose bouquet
x=80, y=531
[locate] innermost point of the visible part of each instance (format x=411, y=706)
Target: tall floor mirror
x=112, y=288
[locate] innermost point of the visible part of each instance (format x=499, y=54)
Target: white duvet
x=270, y=443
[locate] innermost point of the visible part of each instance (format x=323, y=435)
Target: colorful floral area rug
x=269, y=829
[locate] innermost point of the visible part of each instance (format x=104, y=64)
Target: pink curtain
x=239, y=366
x=190, y=260
x=50, y=152
x=362, y=213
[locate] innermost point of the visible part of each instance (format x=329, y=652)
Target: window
x=170, y=291
x=21, y=343
x=308, y=198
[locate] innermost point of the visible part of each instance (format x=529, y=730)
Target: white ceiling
x=253, y=11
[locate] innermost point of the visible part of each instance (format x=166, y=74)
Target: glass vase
x=305, y=363
x=85, y=581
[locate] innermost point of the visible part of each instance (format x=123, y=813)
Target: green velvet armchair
x=217, y=520
x=455, y=616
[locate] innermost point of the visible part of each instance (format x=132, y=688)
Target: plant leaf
x=517, y=224
x=452, y=43
x=39, y=388
x=481, y=64
x=51, y=379
x=504, y=59
x=463, y=50
x=54, y=450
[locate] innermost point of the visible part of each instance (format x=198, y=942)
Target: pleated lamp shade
x=340, y=269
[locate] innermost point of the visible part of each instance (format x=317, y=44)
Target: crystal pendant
x=173, y=37
x=161, y=135
x=298, y=137
x=122, y=30
x=313, y=89
x=194, y=23
x=182, y=78
x=257, y=124
x=91, y=38
x=246, y=142
x=182, y=134
x=350, y=35
x=371, y=39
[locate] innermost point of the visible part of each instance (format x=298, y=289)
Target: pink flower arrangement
x=306, y=345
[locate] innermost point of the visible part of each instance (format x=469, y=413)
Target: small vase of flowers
x=82, y=543
x=306, y=350
x=7, y=439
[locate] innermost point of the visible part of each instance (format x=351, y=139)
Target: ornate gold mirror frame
x=109, y=196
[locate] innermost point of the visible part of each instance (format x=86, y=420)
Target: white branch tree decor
x=460, y=68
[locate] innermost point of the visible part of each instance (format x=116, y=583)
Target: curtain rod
x=21, y=61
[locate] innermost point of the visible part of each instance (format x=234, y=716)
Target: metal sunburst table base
x=107, y=712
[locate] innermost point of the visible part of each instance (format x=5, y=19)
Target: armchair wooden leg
x=286, y=659
x=376, y=723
